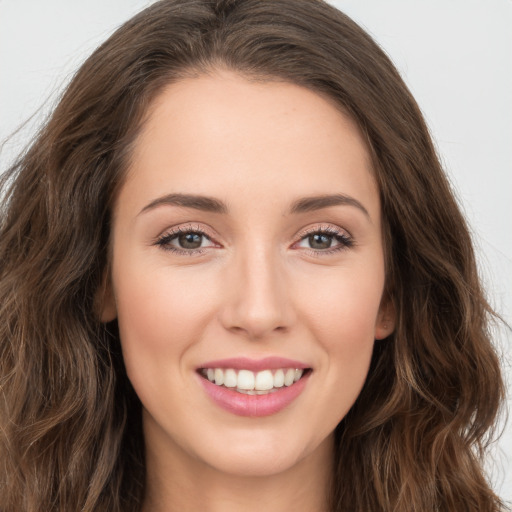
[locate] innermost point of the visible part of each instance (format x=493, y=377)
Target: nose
x=257, y=302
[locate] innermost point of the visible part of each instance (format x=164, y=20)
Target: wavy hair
x=70, y=422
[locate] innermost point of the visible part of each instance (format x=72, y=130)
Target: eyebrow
x=204, y=203
x=308, y=204
x=213, y=205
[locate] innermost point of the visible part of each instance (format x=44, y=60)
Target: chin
x=251, y=464
x=263, y=455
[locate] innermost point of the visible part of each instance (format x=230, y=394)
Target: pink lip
x=253, y=405
x=255, y=365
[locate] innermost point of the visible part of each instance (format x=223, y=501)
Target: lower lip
x=254, y=405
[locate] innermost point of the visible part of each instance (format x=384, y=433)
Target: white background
x=455, y=55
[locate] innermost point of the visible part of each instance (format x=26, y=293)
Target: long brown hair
x=70, y=423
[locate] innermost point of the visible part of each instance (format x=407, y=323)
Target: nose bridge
x=258, y=303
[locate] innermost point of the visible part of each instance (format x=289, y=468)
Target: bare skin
x=257, y=264
x=195, y=486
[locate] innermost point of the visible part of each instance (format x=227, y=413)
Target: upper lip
x=255, y=365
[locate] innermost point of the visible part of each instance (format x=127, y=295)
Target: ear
x=386, y=318
x=105, y=302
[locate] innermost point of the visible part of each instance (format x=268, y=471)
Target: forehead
x=223, y=134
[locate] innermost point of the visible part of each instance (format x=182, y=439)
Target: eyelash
x=344, y=240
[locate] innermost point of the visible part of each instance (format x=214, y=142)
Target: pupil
x=320, y=241
x=190, y=240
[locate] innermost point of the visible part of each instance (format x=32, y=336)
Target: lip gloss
x=242, y=404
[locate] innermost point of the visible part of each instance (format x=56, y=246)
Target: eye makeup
x=327, y=239
x=191, y=240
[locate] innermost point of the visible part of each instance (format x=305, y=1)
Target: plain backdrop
x=455, y=55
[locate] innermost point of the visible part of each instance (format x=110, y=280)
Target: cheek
x=160, y=315
x=159, y=305
x=343, y=308
x=341, y=315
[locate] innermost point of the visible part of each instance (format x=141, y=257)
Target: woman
x=234, y=276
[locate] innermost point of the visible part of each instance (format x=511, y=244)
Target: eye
x=326, y=240
x=190, y=240
x=185, y=241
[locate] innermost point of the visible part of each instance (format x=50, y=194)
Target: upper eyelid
x=186, y=228
x=326, y=228
x=190, y=227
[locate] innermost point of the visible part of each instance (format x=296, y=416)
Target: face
x=247, y=254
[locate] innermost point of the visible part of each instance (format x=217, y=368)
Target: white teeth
x=230, y=378
x=245, y=380
x=264, y=381
x=251, y=383
x=219, y=376
x=289, y=377
x=279, y=379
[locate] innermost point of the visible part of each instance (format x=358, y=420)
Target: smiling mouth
x=254, y=383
